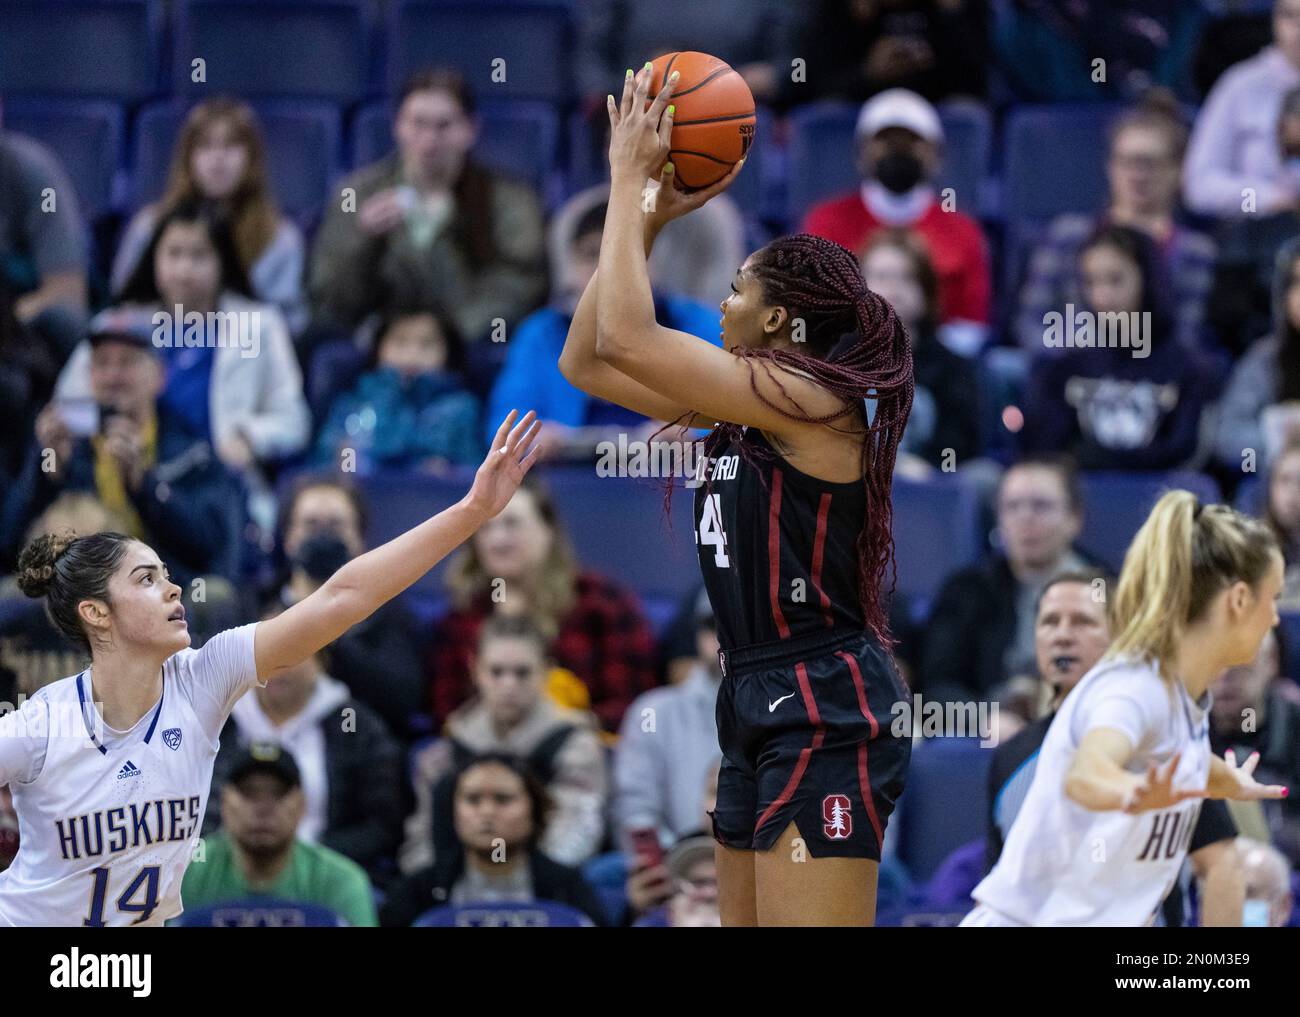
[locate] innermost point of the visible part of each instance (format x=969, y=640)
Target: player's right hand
x=672, y=203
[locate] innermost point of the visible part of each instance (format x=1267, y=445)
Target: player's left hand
x=512, y=455
x=1247, y=788
x=638, y=141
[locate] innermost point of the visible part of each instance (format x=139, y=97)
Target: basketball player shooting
x=806, y=401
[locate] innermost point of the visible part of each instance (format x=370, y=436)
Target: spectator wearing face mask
x=1267, y=878
x=322, y=527
x=410, y=411
x=900, y=140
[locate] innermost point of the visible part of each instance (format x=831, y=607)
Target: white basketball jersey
x=108, y=825
x=1066, y=865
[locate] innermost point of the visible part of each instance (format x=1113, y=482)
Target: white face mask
x=1255, y=913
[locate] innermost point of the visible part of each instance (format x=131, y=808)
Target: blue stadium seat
x=823, y=155
x=1055, y=162
x=530, y=45
x=261, y=913
x=521, y=139
x=109, y=49
x=303, y=143
x=87, y=136
x=1117, y=504
x=935, y=531
x=540, y=914
x=618, y=527
x=275, y=48
x=944, y=804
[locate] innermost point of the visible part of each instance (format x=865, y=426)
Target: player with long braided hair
x=807, y=402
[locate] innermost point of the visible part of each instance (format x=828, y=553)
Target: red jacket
x=955, y=242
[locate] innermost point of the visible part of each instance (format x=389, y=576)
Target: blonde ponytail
x=1184, y=554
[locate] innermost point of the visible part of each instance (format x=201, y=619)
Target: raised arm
x=357, y=589
x=714, y=382
x=580, y=365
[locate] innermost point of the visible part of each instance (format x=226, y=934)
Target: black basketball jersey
x=777, y=548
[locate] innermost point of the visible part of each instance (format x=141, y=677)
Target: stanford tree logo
x=837, y=811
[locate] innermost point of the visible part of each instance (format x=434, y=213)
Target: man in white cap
x=899, y=142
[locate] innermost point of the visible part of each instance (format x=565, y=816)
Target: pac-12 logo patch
x=837, y=810
x=172, y=738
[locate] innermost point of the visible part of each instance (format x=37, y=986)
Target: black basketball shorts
x=805, y=730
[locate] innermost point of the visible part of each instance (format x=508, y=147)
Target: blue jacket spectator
x=531, y=376
x=411, y=409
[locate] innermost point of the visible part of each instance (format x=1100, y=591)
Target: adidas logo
x=129, y=770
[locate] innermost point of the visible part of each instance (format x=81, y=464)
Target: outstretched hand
x=512, y=455
x=1155, y=789
x=1248, y=789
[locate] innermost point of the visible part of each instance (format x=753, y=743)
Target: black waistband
x=785, y=652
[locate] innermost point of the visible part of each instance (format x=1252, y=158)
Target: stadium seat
x=1289, y=623
x=935, y=531
x=944, y=804
x=274, y=48
x=107, y=49
x=618, y=527
x=1117, y=504
x=521, y=139
x=823, y=155
x=539, y=914
x=1055, y=162
x=261, y=913
x=303, y=152
x=505, y=50
x=87, y=136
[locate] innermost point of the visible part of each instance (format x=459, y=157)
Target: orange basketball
x=713, y=124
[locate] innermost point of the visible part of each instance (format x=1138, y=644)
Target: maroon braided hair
x=855, y=346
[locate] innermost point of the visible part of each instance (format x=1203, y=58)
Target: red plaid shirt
x=605, y=641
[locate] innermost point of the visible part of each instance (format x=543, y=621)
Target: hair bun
x=36, y=563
